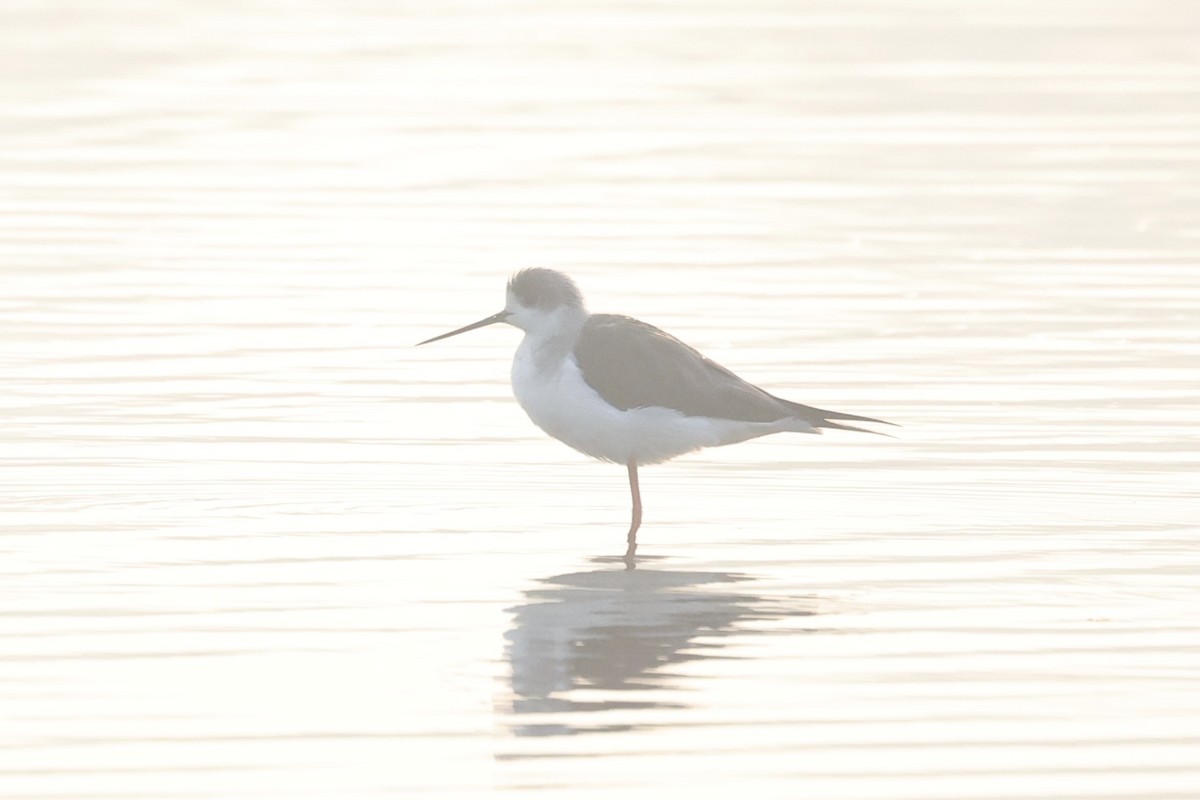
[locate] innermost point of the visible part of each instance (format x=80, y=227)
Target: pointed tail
x=823, y=418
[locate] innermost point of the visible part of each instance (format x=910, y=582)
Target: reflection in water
x=614, y=631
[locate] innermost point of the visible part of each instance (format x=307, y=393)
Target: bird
x=623, y=391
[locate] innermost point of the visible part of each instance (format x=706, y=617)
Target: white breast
x=560, y=402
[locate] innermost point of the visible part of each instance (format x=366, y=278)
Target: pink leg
x=637, y=513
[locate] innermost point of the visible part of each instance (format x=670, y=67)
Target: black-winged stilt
x=620, y=390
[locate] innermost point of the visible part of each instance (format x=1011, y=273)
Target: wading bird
x=620, y=390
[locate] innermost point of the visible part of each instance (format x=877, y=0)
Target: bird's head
x=541, y=302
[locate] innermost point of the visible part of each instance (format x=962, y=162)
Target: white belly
x=560, y=402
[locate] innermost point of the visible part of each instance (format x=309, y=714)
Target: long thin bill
x=492, y=320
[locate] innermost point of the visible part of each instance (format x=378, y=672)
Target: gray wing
x=632, y=364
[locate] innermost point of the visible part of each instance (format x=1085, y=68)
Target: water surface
x=256, y=545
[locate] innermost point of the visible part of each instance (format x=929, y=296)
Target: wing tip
x=823, y=418
x=839, y=426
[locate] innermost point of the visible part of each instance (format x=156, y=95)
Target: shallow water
x=257, y=545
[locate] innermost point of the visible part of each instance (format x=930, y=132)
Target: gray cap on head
x=538, y=287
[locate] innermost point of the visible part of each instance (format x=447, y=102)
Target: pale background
x=256, y=545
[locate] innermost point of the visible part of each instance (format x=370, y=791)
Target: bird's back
x=632, y=364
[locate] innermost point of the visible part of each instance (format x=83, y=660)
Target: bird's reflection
x=594, y=641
